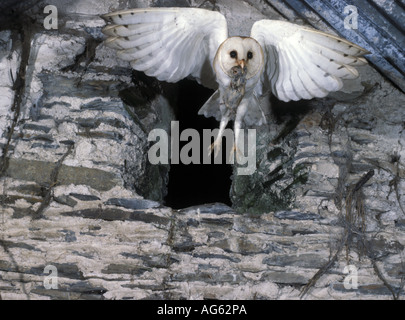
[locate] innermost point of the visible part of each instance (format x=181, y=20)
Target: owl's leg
x=238, y=127
x=216, y=146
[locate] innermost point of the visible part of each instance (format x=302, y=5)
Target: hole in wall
x=195, y=184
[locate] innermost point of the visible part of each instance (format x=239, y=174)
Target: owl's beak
x=241, y=63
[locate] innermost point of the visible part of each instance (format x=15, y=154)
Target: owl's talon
x=235, y=151
x=216, y=146
x=210, y=148
x=231, y=154
x=239, y=155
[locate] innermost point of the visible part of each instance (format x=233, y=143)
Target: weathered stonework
x=78, y=193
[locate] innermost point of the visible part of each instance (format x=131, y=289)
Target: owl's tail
x=255, y=115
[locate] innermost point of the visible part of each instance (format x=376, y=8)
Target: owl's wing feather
x=168, y=43
x=303, y=63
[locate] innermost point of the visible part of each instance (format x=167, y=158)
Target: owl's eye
x=250, y=55
x=233, y=54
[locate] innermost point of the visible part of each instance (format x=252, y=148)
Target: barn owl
x=292, y=62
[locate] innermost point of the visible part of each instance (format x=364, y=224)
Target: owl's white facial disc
x=240, y=51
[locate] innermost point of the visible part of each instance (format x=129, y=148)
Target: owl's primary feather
x=293, y=62
x=304, y=63
x=168, y=43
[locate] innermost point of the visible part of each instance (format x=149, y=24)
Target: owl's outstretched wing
x=168, y=43
x=304, y=63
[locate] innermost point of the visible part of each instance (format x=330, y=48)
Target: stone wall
x=78, y=193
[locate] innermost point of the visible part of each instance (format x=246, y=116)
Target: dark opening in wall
x=197, y=183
